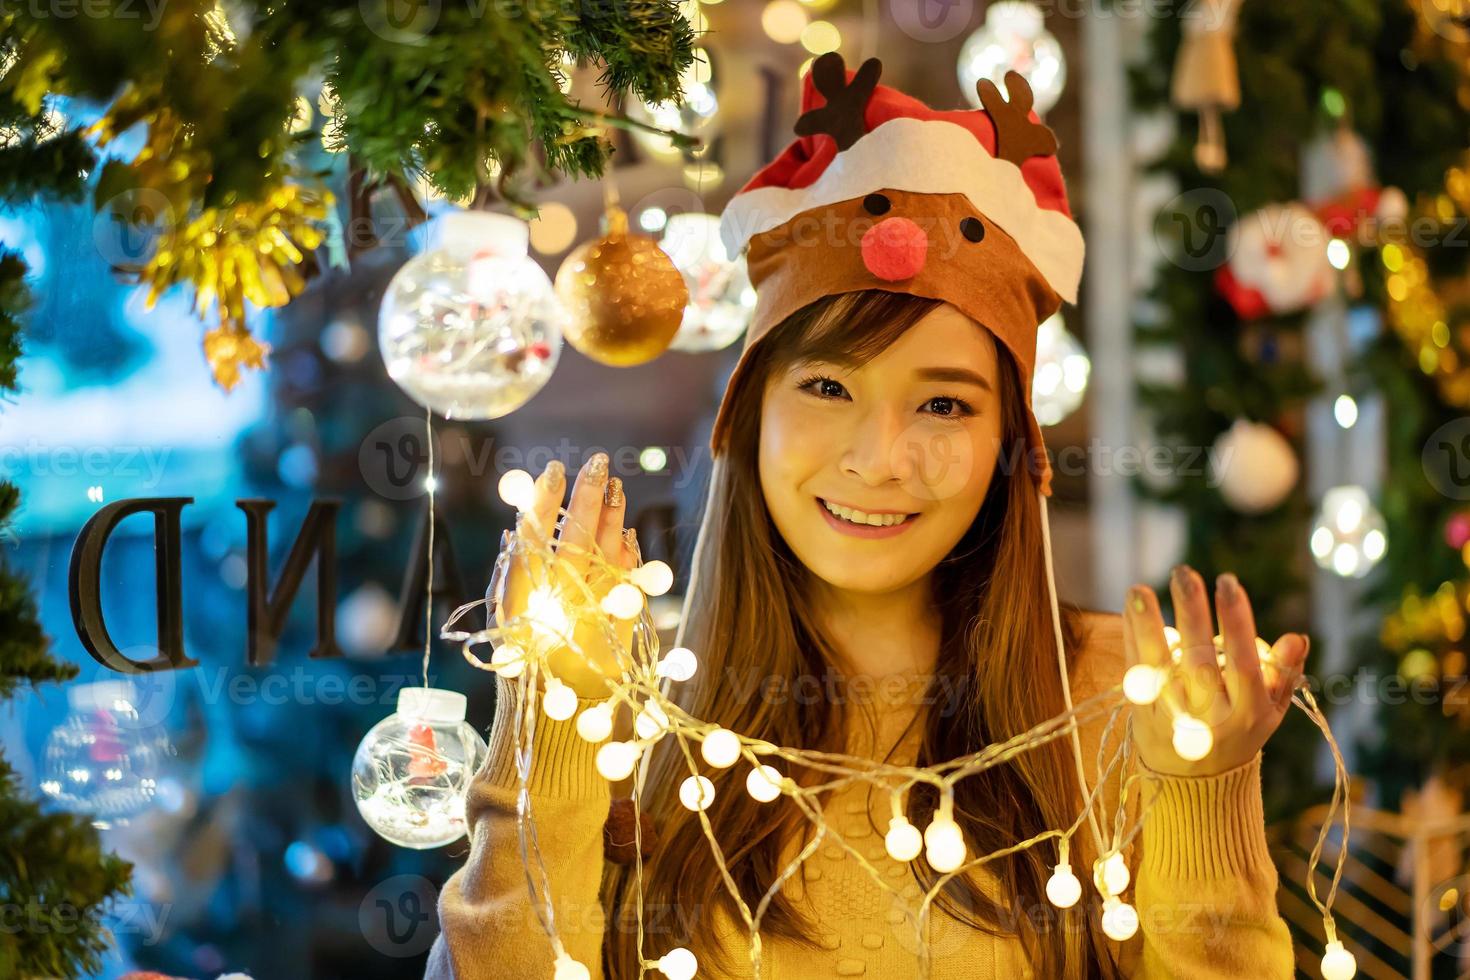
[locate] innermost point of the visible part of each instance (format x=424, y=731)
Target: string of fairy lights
x=522, y=640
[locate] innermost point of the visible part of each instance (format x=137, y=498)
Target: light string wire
x=521, y=643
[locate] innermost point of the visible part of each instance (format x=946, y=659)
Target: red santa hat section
x=905, y=145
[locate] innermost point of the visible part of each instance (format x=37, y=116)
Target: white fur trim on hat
x=924, y=157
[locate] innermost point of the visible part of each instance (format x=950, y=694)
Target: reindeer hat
x=881, y=192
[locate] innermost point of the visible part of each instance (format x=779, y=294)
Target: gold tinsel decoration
x=229, y=254
x=623, y=295
x=1428, y=634
x=249, y=252
x=1433, y=318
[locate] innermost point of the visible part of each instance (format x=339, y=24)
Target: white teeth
x=859, y=517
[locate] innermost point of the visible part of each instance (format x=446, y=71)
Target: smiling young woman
x=949, y=606
x=872, y=578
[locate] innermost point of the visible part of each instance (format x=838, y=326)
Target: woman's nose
x=894, y=249
x=872, y=453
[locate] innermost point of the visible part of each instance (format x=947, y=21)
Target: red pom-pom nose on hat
x=895, y=248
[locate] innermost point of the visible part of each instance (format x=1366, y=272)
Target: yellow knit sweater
x=1204, y=884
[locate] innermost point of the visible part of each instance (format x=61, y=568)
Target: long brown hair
x=754, y=623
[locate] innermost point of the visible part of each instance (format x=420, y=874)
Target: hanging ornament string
x=521, y=644
x=431, y=483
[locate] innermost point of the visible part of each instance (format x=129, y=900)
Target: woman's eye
x=823, y=387
x=947, y=407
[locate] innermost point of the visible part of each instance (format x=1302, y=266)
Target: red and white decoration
x=1278, y=262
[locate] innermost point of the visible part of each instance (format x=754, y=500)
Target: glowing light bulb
x=518, y=489
x=903, y=840
x=944, y=844
x=547, y=615
x=595, y=724
x=569, y=969
x=1063, y=888
x=560, y=701
x=1119, y=919
x=615, y=760
x=721, y=748
x=763, y=783
x=1142, y=683
x=1192, y=738
x=1111, y=874
x=678, y=964
x=624, y=600
x=1338, y=963
x=651, y=721
x=1345, y=411
x=696, y=793
x=654, y=577
x=678, y=664
x=1171, y=637
x=508, y=660
x=1338, y=253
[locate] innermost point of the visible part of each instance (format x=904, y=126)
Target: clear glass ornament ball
x=471, y=328
x=721, y=298
x=101, y=762
x=413, y=769
x=1014, y=38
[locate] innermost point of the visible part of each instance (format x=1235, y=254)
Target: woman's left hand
x=1243, y=702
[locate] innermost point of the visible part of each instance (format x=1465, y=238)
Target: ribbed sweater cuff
x=1204, y=827
x=563, y=764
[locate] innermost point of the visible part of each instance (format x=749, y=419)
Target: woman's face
x=913, y=434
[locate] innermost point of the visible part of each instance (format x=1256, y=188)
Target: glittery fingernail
x=1182, y=579
x=597, y=467
x=612, y=496
x=1228, y=586
x=1136, y=601
x=555, y=474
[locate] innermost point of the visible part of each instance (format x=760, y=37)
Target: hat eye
x=877, y=204
x=973, y=229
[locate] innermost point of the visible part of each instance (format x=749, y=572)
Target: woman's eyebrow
x=957, y=374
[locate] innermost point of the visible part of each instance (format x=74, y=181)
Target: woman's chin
x=878, y=577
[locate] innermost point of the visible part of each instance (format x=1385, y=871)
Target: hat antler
x=842, y=117
x=1017, y=138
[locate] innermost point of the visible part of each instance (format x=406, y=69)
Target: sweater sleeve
x=1206, y=892
x=490, y=928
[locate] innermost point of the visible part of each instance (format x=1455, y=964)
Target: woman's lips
x=863, y=530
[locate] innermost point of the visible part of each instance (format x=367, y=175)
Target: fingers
x=1283, y=671
x=1144, y=624
x=535, y=526
x=632, y=553
x=1202, y=688
x=610, y=527
x=584, y=516
x=1243, y=681
x=533, y=529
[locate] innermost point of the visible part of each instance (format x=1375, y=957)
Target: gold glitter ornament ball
x=624, y=297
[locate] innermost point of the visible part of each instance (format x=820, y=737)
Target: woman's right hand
x=595, y=517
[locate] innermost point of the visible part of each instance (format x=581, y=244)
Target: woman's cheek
x=945, y=461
